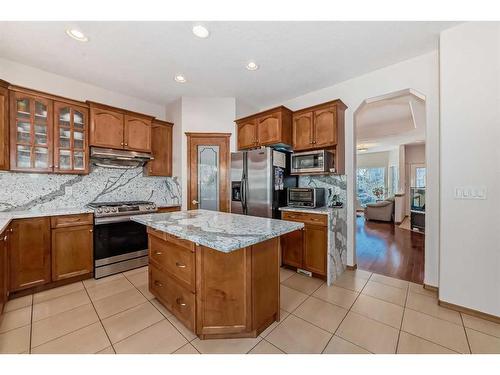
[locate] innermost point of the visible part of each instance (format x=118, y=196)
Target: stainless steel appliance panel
x=237, y=198
x=258, y=192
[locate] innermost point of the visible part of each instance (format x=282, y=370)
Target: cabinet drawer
x=305, y=217
x=177, y=299
x=171, y=238
x=178, y=261
x=70, y=220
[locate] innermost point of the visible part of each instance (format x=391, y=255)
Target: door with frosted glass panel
x=208, y=171
x=31, y=133
x=70, y=138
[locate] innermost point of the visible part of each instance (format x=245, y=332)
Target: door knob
x=194, y=201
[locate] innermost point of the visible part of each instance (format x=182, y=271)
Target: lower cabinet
x=29, y=253
x=306, y=249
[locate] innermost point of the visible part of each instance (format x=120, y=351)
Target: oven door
x=118, y=239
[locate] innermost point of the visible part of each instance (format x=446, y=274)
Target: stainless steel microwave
x=319, y=161
x=306, y=197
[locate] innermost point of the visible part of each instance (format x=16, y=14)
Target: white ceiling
x=385, y=123
x=141, y=58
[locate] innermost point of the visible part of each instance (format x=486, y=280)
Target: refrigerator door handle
x=244, y=190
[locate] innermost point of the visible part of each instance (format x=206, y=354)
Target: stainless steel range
x=120, y=244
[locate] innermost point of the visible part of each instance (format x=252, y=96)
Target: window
x=370, y=182
x=394, y=172
x=420, y=177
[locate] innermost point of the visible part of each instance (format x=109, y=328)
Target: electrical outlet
x=68, y=190
x=470, y=192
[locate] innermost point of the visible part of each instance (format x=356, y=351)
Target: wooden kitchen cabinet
x=302, y=131
x=137, y=133
x=315, y=249
x=4, y=125
x=72, y=251
x=29, y=253
x=161, y=149
x=4, y=269
x=292, y=248
x=271, y=127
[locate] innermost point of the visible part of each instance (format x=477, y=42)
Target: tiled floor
x=361, y=313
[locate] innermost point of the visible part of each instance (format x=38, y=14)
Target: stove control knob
x=114, y=209
x=99, y=210
x=106, y=210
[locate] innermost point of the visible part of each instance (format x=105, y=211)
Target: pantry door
x=208, y=171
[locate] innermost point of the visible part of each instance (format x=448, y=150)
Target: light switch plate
x=470, y=192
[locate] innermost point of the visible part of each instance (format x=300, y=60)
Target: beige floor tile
x=108, y=350
x=349, y=280
x=481, y=343
x=88, y=340
x=376, y=309
x=57, y=292
x=61, y=324
x=439, y=331
x=264, y=347
x=481, y=325
x=135, y=271
x=410, y=344
x=144, y=289
x=418, y=288
x=285, y=273
x=187, y=349
x=359, y=273
x=429, y=305
x=160, y=308
x=109, y=288
x=397, y=283
x=89, y=283
x=290, y=298
x=267, y=331
x=161, y=337
x=138, y=278
x=59, y=304
x=371, y=335
x=225, y=346
x=15, y=341
x=15, y=319
x=18, y=303
x=119, y=302
x=126, y=323
x=186, y=332
x=385, y=292
x=304, y=284
x=320, y=313
x=295, y=335
x=338, y=296
x=338, y=345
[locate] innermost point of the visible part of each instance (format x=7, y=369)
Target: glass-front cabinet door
x=70, y=138
x=31, y=133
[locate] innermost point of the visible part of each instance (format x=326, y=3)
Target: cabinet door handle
x=126, y=144
x=158, y=253
x=180, y=303
x=91, y=230
x=180, y=265
x=158, y=284
x=121, y=144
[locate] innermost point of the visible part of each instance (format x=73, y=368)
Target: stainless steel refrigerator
x=259, y=182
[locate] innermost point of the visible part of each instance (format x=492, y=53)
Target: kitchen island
x=218, y=273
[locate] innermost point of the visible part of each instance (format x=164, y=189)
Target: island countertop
x=221, y=231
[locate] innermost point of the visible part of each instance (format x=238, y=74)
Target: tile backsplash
x=333, y=184
x=37, y=191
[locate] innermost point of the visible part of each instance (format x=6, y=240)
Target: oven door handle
x=112, y=219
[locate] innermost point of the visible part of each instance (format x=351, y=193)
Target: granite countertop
x=218, y=230
x=318, y=210
x=7, y=216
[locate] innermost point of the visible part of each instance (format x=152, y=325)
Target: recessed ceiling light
x=252, y=65
x=77, y=35
x=180, y=78
x=201, y=31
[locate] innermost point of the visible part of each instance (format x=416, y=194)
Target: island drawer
x=177, y=299
x=178, y=261
x=171, y=238
x=305, y=217
x=71, y=220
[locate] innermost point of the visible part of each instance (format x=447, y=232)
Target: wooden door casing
x=29, y=256
x=315, y=248
x=247, y=134
x=161, y=149
x=325, y=127
x=72, y=251
x=303, y=131
x=106, y=128
x=219, y=139
x=292, y=248
x=137, y=133
x=4, y=126
x=3, y=269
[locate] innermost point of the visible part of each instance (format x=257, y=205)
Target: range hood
x=110, y=158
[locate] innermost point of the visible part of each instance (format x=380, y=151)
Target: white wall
x=23, y=75
x=414, y=154
x=421, y=74
x=470, y=156
x=393, y=162
x=202, y=115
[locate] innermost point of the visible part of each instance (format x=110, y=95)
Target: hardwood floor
x=389, y=250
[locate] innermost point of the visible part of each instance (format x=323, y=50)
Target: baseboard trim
x=431, y=287
x=466, y=310
x=351, y=268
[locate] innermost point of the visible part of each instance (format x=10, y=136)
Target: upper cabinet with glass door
x=31, y=133
x=70, y=138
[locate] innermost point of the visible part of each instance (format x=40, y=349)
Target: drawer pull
x=158, y=253
x=180, y=265
x=180, y=303
x=158, y=284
